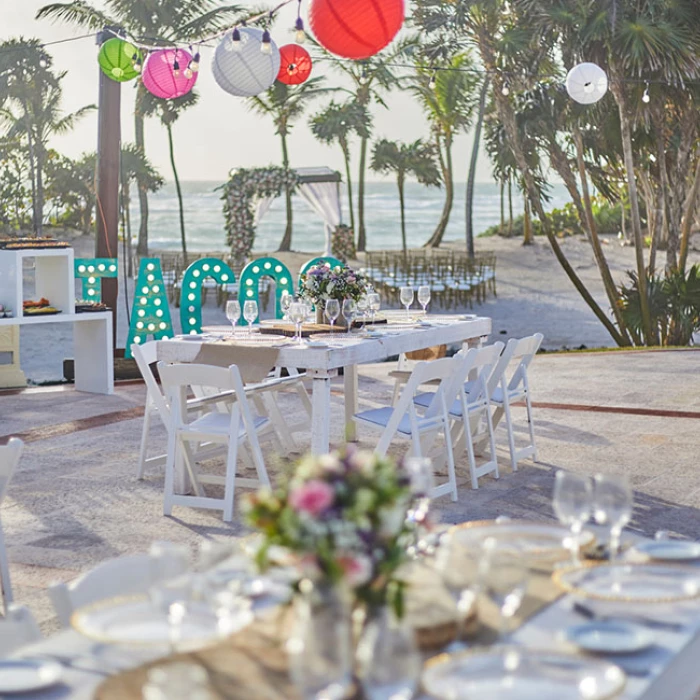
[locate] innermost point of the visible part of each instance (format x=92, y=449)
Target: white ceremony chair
x=227, y=424
x=510, y=384
x=123, y=576
x=17, y=629
x=9, y=458
x=473, y=407
x=404, y=420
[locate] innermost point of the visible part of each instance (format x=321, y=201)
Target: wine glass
x=375, y=304
x=285, y=302
x=420, y=473
x=362, y=305
x=572, y=502
x=297, y=315
x=457, y=561
x=390, y=664
x=424, y=296
x=406, y=296
x=250, y=313
x=349, y=311
x=612, y=506
x=502, y=577
x=233, y=313
x=332, y=311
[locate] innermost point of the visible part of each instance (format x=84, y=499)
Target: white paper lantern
x=586, y=83
x=244, y=70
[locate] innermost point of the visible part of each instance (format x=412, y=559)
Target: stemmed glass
x=332, y=312
x=457, y=561
x=233, y=313
x=297, y=315
x=572, y=502
x=406, y=296
x=502, y=577
x=424, y=296
x=349, y=311
x=612, y=506
x=375, y=304
x=420, y=473
x=362, y=306
x=250, y=313
x=285, y=302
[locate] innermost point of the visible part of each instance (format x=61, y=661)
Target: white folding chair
x=471, y=408
x=404, y=420
x=9, y=458
x=123, y=576
x=17, y=629
x=510, y=384
x=230, y=424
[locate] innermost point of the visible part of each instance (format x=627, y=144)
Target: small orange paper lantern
x=355, y=29
x=295, y=65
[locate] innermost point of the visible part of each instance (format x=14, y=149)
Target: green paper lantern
x=118, y=59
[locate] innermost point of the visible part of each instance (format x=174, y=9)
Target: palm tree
x=447, y=97
x=162, y=22
x=168, y=112
x=338, y=122
x=370, y=79
x=32, y=109
x=285, y=104
x=405, y=159
x=471, y=174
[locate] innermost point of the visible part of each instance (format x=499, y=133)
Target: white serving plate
x=511, y=673
x=135, y=621
x=26, y=675
x=631, y=583
x=537, y=540
x=610, y=637
x=669, y=550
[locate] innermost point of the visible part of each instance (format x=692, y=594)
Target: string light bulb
x=137, y=63
x=194, y=63
x=505, y=90
x=433, y=80
x=236, y=39
x=176, y=66
x=266, y=45
x=645, y=97
x=300, y=36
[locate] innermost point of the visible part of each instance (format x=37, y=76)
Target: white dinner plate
x=516, y=673
x=669, y=550
x=316, y=344
x=468, y=317
x=25, y=675
x=610, y=637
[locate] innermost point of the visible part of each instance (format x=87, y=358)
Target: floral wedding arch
x=249, y=193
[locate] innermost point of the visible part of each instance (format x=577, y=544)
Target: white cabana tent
x=320, y=188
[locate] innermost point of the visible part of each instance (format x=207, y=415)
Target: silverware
x=591, y=614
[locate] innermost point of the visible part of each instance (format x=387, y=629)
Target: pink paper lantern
x=167, y=73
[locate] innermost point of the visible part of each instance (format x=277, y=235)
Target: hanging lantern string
x=201, y=42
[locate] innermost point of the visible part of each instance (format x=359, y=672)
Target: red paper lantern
x=355, y=28
x=169, y=73
x=295, y=64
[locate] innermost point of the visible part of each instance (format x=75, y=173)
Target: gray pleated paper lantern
x=241, y=67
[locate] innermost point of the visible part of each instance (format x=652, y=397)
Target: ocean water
x=204, y=219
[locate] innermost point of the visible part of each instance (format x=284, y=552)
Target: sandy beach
x=534, y=294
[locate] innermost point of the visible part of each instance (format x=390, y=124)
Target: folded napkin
x=254, y=362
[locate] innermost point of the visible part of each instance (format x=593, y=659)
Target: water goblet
x=362, y=306
x=406, y=297
x=457, y=562
x=349, y=312
x=502, y=577
x=332, y=312
x=420, y=473
x=233, y=313
x=612, y=506
x=375, y=304
x=285, y=302
x=572, y=501
x=250, y=313
x=297, y=315
x=424, y=297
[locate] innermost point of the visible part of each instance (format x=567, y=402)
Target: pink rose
x=313, y=497
x=356, y=567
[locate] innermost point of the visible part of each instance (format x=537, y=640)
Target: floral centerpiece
x=322, y=282
x=341, y=518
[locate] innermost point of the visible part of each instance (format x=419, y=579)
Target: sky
x=219, y=133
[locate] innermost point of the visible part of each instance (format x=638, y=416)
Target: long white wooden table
x=667, y=671
x=349, y=351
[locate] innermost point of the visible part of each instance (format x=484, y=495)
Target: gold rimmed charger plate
x=550, y=535
x=608, y=582
x=507, y=672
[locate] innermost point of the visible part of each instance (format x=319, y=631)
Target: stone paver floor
x=75, y=501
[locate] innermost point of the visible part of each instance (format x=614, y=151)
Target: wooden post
x=108, y=168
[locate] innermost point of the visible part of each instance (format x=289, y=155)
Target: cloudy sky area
x=220, y=132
